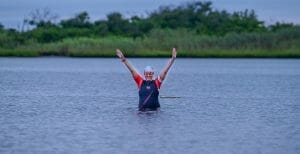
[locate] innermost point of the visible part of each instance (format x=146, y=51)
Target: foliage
x=192, y=27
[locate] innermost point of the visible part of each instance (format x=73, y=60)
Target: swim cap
x=148, y=69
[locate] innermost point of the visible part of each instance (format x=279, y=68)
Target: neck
x=148, y=79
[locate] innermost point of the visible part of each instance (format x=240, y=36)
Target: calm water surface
x=70, y=105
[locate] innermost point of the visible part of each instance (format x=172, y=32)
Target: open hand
x=120, y=54
x=174, y=53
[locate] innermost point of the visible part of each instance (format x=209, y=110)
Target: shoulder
x=158, y=82
x=138, y=77
x=139, y=80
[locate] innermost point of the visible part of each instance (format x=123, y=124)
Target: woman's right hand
x=174, y=53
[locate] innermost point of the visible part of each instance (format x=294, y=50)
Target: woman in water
x=148, y=86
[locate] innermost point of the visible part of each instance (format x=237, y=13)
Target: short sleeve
x=158, y=83
x=138, y=80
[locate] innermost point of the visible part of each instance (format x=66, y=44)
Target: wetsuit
x=148, y=93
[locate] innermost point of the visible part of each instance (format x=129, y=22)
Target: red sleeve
x=138, y=80
x=157, y=83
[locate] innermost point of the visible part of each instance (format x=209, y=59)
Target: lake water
x=78, y=105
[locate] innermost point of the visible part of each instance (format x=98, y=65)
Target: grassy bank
x=158, y=43
x=184, y=54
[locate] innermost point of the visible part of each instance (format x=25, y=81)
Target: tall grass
x=158, y=43
x=189, y=41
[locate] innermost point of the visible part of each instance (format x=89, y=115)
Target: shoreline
x=158, y=54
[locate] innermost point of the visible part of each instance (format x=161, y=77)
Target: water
x=70, y=105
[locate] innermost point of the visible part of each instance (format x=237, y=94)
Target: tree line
x=195, y=16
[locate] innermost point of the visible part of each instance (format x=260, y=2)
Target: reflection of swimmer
x=148, y=88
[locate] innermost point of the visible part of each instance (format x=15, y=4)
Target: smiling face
x=148, y=75
x=148, y=72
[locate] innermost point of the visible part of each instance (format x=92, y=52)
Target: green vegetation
x=195, y=29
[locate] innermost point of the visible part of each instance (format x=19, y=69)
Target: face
x=149, y=74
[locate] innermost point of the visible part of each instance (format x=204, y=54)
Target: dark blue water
x=70, y=105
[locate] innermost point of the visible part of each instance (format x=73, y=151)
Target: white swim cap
x=148, y=69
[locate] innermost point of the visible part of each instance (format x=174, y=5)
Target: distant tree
x=81, y=20
x=278, y=26
x=116, y=24
x=101, y=28
x=41, y=18
x=245, y=21
x=139, y=26
x=190, y=15
x=201, y=17
x=46, y=35
x=1, y=26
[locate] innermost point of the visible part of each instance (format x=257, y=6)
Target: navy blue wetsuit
x=148, y=96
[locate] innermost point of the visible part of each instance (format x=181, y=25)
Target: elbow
x=163, y=76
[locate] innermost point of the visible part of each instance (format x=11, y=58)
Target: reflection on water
x=70, y=105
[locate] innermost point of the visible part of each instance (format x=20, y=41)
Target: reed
x=158, y=43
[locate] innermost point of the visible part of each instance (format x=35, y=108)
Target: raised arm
x=164, y=72
x=125, y=61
